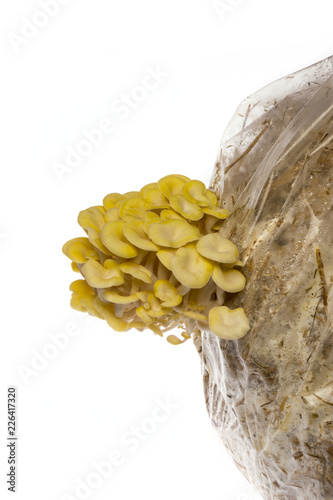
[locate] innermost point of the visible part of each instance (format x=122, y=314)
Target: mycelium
x=156, y=259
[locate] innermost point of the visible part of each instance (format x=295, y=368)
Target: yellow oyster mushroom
x=216, y=247
x=228, y=324
x=195, y=315
x=165, y=256
x=132, y=194
x=136, y=271
x=150, y=220
x=112, y=214
x=170, y=185
x=92, y=218
x=112, y=236
x=167, y=293
x=151, y=185
x=137, y=203
x=133, y=214
x=80, y=289
x=88, y=303
x=110, y=200
x=231, y=281
x=155, y=198
x=172, y=339
x=170, y=214
x=74, y=267
x=195, y=192
x=142, y=313
x=102, y=276
x=219, y=213
x=156, y=309
x=95, y=238
x=107, y=312
x=152, y=261
x=213, y=201
x=112, y=296
x=136, y=235
x=190, y=268
x=185, y=208
x=79, y=250
x=172, y=233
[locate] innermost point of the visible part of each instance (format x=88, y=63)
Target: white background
x=61, y=80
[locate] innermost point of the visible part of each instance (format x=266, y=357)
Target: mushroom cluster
x=155, y=259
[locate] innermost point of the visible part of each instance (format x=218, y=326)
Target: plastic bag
x=270, y=394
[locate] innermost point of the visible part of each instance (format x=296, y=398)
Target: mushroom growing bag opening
x=269, y=395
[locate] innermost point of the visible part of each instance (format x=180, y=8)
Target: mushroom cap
x=216, y=247
x=151, y=185
x=170, y=185
x=228, y=324
x=185, y=208
x=219, y=213
x=165, y=256
x=137, y=203
x=190, y=268
x=110, y=200
x=231, y=280
x=79, y=250
x=136, y=271
x=168, y=213
x=172, y=233
x=113, y=296
x=107, y=312
x=92, y=218
x=213, y=201
x=167, y=293
x=112, y=214
x=195, y=192
x=155, y=198
x=135, y=234
x=102, y=276
x=112, y=236
x=80, y=292
x=95, y=239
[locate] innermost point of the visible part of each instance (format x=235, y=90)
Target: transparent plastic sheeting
x=269, y=395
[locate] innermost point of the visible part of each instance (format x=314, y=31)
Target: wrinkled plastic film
x=270, y=394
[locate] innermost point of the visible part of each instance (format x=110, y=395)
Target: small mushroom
x=102, y=276
x=231, y=281
x=112, y=214
x=219, y=213
x=165, y=256
x=136, y=271
x=172, y=233
x=155, y=198
x=168, y=213
x=92, y=218
x=112, y=296
x=170, y=185
x=228, y=324
x=79, y=250
x=110, y=200
x=185, y=208
x=112, y=236
x=137, y=203
x=167, y=293
x=190, y=268
x=216, y=247
x=195, y=192
x=107, y=312
x=135, y=234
